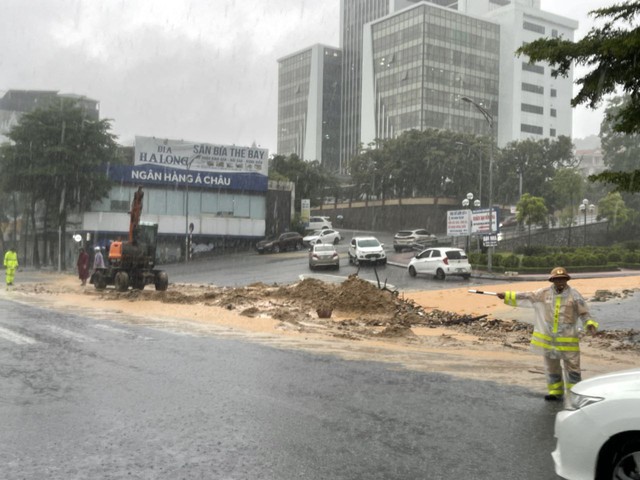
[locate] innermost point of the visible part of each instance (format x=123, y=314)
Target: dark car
x=285, y=241
x=511, y=221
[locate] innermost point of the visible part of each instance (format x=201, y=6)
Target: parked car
x=318, y=223
x=323, y=255
x=598, y=432
x=282, y=243
x=440, y=262
x=366, y=250
x=327, y=235
x=407, y=239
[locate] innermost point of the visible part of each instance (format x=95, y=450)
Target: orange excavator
x=132, y=263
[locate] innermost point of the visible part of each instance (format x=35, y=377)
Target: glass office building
x=309, y=105
x=419, y=62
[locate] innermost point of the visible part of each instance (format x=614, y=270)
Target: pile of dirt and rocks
x=354, y=309
x=360, y=309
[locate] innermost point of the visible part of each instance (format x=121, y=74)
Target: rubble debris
x=359, y=309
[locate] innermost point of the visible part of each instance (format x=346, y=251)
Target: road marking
x=71, y=335
x=120, y=331
x=16, y=337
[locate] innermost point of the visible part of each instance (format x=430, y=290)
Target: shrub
x=601, y=258
x=511, y=261
x=632, y=245
x=613, y=256
x=531, y=250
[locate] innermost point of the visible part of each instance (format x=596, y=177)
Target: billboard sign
x=305, y=211
x=458, y=223
x=480, y=221
x=200, y=157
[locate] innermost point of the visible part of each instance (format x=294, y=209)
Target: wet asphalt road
x=85, y=398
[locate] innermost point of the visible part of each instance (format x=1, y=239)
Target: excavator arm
x=136, y=211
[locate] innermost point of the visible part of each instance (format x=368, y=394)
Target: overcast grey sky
x=197, y=70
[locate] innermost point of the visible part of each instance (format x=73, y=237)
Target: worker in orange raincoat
x=556, y=329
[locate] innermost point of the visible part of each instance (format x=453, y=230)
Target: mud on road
x=360, y=321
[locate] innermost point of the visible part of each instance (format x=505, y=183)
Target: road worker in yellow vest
x=556, y=329
x=10, y=265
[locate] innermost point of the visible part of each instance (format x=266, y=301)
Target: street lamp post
x=466, y=203
x=584, y=207
x=186, y=212
x=487, y=116
x=479, y=168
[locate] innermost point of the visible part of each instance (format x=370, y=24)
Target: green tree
x=621, y=153
x=311, y=180
x=531, y=210
x=420, y=163
x=613, y=208
x=533, y=161
x=57, y=158
x=611, y=50
x=567, y=188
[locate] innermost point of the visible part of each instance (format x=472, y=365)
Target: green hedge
x=541, y=259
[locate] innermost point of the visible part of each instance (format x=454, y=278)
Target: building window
x=529, y=87
x=552, y=132
x=554, y=33
x=533, y=27
x=526, y=107
x=530, y=129
x=532, y=67
x=554, y=92
x=554, y=112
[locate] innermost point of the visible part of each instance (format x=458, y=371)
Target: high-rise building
x=14, y=103
x=354, y=14
x=309, y=104
x=417, y=65
x=533, y=104
x=407, y=64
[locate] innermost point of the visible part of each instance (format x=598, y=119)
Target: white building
x=533, y=104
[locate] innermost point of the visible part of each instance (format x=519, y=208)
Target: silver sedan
x=323, y=255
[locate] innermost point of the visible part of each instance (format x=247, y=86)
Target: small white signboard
x=458, y=223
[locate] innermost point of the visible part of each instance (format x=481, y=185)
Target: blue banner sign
x=173, y=177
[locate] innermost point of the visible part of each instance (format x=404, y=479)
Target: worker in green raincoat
x=10, y=265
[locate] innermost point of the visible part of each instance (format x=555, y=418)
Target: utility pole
x=487, y=116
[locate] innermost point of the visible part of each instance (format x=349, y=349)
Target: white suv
x=366, y=250
x=440, y=262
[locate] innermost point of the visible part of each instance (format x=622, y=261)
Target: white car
x=440, y=262
x=323, y=236
x=598, y=432
x=410, y=238
x=319, y=223
x=366, y=250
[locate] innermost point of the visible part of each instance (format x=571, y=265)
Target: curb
x=515, y=277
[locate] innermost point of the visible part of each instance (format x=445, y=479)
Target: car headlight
x=575, y=401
